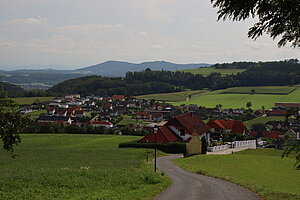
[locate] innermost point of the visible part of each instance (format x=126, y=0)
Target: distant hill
x=28, y=78
x=119, y=69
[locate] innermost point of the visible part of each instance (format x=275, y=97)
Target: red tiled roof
x=215, y=124
x=286, y=104
x=163, y=135
x=78, y=112
x=190, y=122
x=235, y=126
x=278, y=112
x=119, y=97
x=143, y=114
x=50, y=109
x=272, y=134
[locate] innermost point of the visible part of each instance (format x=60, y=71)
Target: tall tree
x=278, y=18
x=12, y=123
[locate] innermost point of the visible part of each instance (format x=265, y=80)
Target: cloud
x=29, y=21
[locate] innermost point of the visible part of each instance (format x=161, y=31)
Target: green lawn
x=211, y=99
x=261, y=90
x=30, y=100
x=77, y=167
x=263, y=119
x=205, y=71
x=260, y=170
x=171, y=97
x=128, y=120
x=35, y=114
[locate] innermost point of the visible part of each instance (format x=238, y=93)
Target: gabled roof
x=235, y=126
x=163, y=135
x=190, y=122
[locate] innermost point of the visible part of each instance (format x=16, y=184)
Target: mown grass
x=30, y=100
x=260, y=90
x=171, y=97
x=205, y=71
x=78, y=167
x=211, y=99
x=263, y=119
x=260, y=170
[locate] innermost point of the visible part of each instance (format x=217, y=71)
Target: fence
x=236, y=144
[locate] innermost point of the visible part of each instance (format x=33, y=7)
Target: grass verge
x=260, y=170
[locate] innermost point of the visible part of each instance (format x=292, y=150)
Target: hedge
x=174, y=147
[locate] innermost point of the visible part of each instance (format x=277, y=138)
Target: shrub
x=174, y=147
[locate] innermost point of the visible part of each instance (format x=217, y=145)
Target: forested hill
x=12, y=90
x=279, y=65
x=149, y=81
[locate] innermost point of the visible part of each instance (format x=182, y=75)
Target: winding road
x=191, y=186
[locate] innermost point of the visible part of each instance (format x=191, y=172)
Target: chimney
x=191, y=114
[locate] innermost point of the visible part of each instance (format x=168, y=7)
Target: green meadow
x=211, y=99
x=260, y=170
x=283, y=90
x=205, y=71
x=78, y=167
x=263, y=119
x=30, y=100
x=171, y=97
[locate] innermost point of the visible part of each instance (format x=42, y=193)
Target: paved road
x=190, y=186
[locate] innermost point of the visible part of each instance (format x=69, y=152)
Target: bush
x=174, y=147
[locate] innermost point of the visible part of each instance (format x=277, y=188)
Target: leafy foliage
x=278, y=18
x=12, y=122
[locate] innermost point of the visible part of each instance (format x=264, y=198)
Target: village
x=130, y=116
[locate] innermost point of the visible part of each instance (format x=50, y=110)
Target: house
x=118, y=97
x=55, y=119
x=277, y=111
x=287, y=105
x=276, y=125
x=227, y=126
x=108, y=106
x=157, y=117
x=101, y=123
x=143, y=115
x=185, y=125
x=79, y=113
x=163, y=135
x=292, y=134
x=72, y=96
x=51, y=110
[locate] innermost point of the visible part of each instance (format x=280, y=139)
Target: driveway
x=191, y=186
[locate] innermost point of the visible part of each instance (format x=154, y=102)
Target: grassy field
x=205, y=71
x=283, y=90
x=211, y=99
x=128, y=120
x=263, y=119
x=35, y=114
x=30, y=100
x=77, y=167
x=260, y=170
x=171, y=97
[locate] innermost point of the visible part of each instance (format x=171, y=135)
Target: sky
x=70, y=34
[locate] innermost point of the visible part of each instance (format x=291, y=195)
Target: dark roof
x=52, y=118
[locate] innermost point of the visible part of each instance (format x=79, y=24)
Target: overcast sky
x=69, y=34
